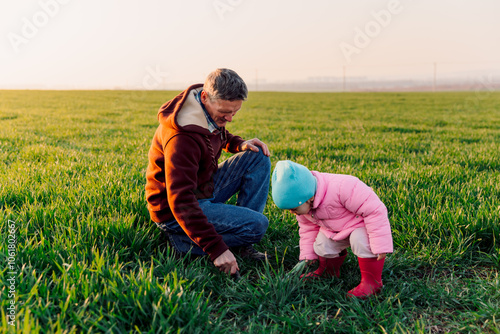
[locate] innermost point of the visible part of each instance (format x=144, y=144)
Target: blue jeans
x=246, y=173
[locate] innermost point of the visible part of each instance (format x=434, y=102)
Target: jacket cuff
x=312, y=256
x=234, y=146
x=217, y=250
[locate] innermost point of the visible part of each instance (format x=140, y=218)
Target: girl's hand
x=310, y=262
x=301, y=266
x=381, y=256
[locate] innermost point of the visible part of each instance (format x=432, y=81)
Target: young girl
x=334, y=212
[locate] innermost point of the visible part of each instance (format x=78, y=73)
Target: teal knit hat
x=292, y=184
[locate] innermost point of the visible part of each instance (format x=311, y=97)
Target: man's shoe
x=248, y=252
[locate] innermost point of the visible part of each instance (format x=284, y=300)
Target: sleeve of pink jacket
x=308, y=232
x=360, y=199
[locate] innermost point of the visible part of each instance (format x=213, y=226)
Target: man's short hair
x=225, y=84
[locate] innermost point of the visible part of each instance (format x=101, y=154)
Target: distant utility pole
x=256, y=79
x=343, y=78
x=435, y=76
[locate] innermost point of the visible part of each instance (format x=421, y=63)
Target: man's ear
x=204, y=96
x=311, y=200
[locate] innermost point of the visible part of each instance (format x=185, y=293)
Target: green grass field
x=88, y=259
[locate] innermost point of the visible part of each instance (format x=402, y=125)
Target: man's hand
x=381, y=256
x=253, y=145
x=226, y=262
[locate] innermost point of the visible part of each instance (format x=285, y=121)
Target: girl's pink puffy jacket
x=343, y=203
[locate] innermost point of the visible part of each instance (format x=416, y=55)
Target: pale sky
x=152, y=44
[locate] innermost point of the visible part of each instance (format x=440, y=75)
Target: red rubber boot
x=327, y=267
x=371, y=278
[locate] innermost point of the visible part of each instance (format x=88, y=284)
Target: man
x=186, y=189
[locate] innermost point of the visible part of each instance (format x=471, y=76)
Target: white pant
x=358, y=241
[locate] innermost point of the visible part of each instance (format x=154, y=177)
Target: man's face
x=304, y=208
x=221, y=111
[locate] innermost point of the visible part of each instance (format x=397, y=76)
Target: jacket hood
x=321, y=188
x=184, y=112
